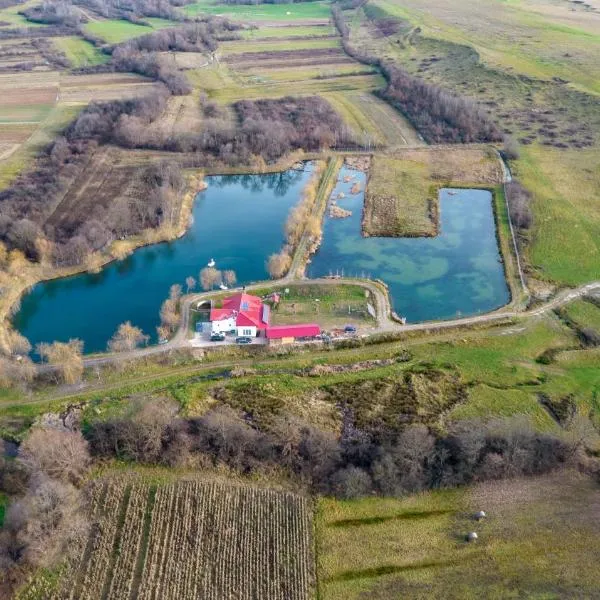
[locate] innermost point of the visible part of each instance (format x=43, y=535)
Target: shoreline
x=302, y=253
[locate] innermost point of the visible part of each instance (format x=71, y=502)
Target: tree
x=351, y=482
x=175, y=292
x=229, y=277
x=17, y=344
x=127, y=338
x=278, y=264
x=66, y=358
x=169, y=315
x=209, y=277
x=190, y=283
x=19, y=371
x=60, y=454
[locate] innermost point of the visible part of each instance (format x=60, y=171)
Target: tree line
x=438, y=115
x=353, y=464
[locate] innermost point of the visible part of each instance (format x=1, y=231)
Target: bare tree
x=209, y=277
x=66, y=358
x=127, y=338
x=229, y=277
x=190, y=283
x=60, y=454
x=175, y=292
x=278, y=264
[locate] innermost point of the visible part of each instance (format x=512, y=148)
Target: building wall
x=246, y=330
x=223, y=326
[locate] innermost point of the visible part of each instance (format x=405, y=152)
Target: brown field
x=103, y=86
x=192, y=539
x=106, y=178
x=401, y=197
x=11, y=133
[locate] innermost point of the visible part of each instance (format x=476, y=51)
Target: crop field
x=15, y=52
x=288, y=32
x=192, y=539
x=537, y=541
x=82, y=89
x=267, y=45
x=80, y=52
x=402, y=192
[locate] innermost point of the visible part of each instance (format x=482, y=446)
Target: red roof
x=247, y=309
x=277, y=332
x=218, y=314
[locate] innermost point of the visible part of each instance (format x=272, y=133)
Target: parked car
x=350, y=329
x=217, y=337
x=243, y=340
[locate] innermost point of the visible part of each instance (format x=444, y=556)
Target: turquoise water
x=238, y=221
x=457, y=273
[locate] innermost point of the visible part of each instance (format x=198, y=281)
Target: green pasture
x=80, y=52
x=115, y=31
x=264, y=12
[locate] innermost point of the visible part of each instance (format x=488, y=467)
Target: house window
x=247, y=332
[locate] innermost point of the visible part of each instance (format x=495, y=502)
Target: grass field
x=537, y=542
x=298, y=12
x=190, y=539
x=330, y=306
x=585, y=314
x=115, y=31
x=80, y=52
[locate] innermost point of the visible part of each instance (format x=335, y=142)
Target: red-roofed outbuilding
x=279, y=332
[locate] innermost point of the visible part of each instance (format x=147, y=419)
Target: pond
x=457, y=273
x=237, y=220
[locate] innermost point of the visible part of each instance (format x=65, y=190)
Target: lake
x=237, y=220
x=457, y=273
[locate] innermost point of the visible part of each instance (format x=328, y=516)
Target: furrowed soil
x=190, y=539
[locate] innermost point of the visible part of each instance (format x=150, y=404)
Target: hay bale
x=472, y=537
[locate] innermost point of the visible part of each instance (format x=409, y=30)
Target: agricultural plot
x=288, y=32
x=401, y=198
x=79, y=52
x=301, y=13
x=193, y=539
x=82, y=89
x=538, y=541
x=115, y=31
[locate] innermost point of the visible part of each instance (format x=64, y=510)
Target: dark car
x=350, y=329
x=217, y=337
x=243, y=340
